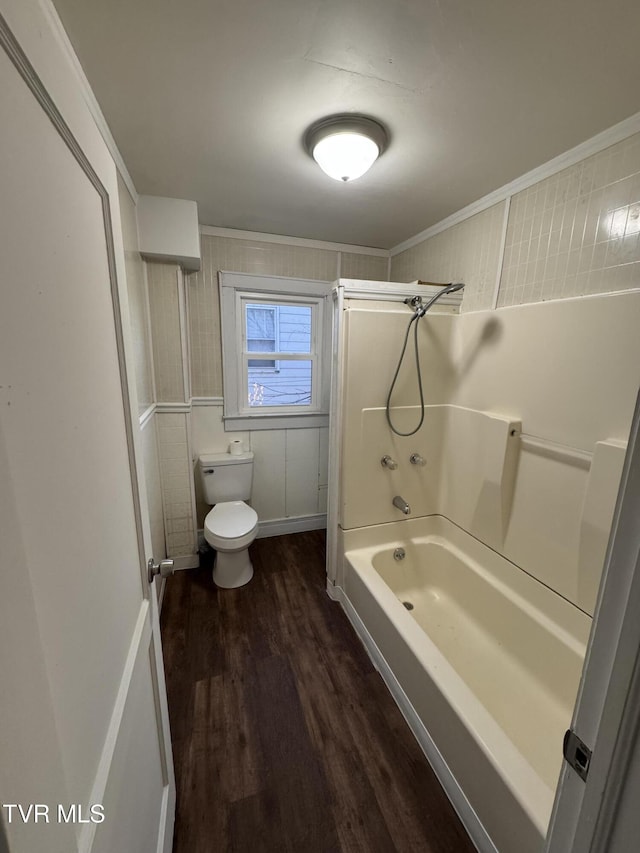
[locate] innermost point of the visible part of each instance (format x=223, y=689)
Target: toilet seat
x=231, y=526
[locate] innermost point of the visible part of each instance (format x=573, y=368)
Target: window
x=275, y=333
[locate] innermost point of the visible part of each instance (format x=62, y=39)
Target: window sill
x=311, y=420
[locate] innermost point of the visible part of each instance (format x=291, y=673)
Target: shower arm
x=450, y=288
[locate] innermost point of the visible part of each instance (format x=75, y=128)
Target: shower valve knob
x=388, y=462
x=416, y=459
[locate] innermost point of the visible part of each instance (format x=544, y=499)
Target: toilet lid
x=231, y=519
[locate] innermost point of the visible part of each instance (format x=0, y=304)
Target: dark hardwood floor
x=284, y=735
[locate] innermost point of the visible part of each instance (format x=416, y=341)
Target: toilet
x=232, y=525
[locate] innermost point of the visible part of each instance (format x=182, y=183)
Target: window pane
x=294, y=328
x=290, y=386
x=261, y=334
x=260, y=345
x=261, y=328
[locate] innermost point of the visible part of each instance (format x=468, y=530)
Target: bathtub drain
x=408, y=605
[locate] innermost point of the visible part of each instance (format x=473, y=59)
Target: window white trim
x=236, y=289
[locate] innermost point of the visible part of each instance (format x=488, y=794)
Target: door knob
x=164, y=568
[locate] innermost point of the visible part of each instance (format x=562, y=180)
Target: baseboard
x=334, y=592
x=167, y=821
x=189, y=561
x=452, y=789
x=281, y=526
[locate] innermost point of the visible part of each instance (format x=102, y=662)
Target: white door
x=600, y=814
x=85, y=756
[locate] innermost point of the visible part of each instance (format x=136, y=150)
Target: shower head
x=450, y=288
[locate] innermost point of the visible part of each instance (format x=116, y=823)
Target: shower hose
x=418, y=314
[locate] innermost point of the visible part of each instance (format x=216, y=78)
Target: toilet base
x=232, y=569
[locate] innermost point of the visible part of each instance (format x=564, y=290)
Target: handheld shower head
x=450, y=288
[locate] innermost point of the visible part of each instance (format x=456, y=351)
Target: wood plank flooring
x=284, y=735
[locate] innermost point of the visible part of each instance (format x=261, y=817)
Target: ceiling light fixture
x=346, y=146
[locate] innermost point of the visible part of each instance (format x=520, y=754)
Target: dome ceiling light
x=346, y=146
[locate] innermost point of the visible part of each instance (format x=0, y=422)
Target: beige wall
x=261, y=258
x=141, y=338
x=576, y=232
x=164, y=306
x=290, y=473
x=572, y=234
x=468, y=252
x=167, y=306
x=137, y=293
x=367, y=267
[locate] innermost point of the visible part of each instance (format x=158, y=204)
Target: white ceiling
x=209, y=99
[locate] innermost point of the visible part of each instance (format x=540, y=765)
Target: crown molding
x=591, y=146
x=215, y=231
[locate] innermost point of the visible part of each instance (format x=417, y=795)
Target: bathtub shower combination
x=467, y=552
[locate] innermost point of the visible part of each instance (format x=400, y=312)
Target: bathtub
x=485, y=666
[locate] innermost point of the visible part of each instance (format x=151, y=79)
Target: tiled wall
x=176, y=478
x=468, y=252
x=572, y=234
x=136, y=290
x=368, y=267
x=250, y=256
x=576, y=232
x=165, y=332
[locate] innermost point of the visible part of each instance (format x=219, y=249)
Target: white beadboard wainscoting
x=290, y=470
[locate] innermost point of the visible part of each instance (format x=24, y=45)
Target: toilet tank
x=225, y=477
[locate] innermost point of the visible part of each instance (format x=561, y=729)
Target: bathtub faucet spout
x=402, y=505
